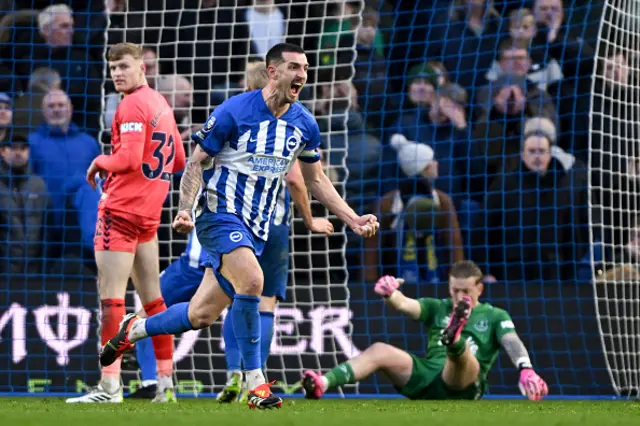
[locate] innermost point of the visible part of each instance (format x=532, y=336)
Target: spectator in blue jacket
x=59, y=150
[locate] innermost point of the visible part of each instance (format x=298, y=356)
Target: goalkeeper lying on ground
x=463, y=344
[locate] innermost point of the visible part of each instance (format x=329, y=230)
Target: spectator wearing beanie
x=426, y=211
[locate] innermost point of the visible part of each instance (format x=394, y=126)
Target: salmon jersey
x=147, y=150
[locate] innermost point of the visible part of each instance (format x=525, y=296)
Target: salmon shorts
x=121, y=231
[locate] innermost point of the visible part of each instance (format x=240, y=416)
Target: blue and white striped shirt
x=253, y=152
x=283, y=213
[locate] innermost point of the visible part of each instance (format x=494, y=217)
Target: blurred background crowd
x=493, y=130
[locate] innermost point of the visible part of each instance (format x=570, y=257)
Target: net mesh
x=551, y=218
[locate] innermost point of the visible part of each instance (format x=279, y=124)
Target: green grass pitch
x=207, y=412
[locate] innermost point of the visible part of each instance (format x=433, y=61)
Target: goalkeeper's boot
x=312, y=385
x=232, y=388
x=165, y=392
x=261, y=397
x=97, y=395
x=458, y=320
x=120, y=343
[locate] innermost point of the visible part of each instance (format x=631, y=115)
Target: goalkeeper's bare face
x=127, y=73
x=460, y=287
x=290, y=76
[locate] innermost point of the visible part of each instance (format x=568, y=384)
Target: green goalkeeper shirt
x=483, y=331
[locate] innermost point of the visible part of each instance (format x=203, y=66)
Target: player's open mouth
x=295, y=88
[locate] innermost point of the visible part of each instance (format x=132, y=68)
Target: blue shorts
x=220, y=234
x=179, y=282
x=275, y=262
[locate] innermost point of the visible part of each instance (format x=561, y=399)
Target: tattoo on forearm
x=189, y=185
x=514, y=347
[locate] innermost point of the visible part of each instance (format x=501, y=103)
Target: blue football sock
x=266, y=336
x=146, y=359
x=246, y=326
x=231, y=349
x=174, y=320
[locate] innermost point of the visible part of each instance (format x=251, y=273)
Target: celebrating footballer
x=254, y=137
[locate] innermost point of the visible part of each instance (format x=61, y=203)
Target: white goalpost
x=615, y=193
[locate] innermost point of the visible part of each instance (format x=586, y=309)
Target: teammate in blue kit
x=182, y=278
x=255, y=137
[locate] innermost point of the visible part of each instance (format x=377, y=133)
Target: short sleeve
x=216, y=132
x=310, y=153
x=132, y=120
x=428, y=309
x=503, y=324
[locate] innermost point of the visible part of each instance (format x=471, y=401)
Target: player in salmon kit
x=147, y=150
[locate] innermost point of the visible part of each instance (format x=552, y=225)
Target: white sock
x=110, y=385
x=255, y=378
x=138, y=330
x=146, y=383
x=164, y=382
x=325, y=383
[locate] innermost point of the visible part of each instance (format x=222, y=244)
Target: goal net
x=551, y=216
x=614, y=153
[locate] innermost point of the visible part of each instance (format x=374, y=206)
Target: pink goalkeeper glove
x=387, y=285
x=531, y=385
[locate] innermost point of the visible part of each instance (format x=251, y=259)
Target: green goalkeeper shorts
x=426, y=383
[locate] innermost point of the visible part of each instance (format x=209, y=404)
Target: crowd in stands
x=465, y=122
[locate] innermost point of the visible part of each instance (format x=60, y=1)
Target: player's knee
x=252, y=285
x=201, y=317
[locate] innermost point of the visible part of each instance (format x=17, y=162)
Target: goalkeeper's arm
x=387, y=287
x=516, y=350
x=531, y=384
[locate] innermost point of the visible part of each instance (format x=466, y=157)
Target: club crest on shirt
x=482, y=325
x=235, y=236
x=292, y=142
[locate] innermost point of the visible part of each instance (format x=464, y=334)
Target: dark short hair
x=511, y=43
x=274, y=54
x=464, y=269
